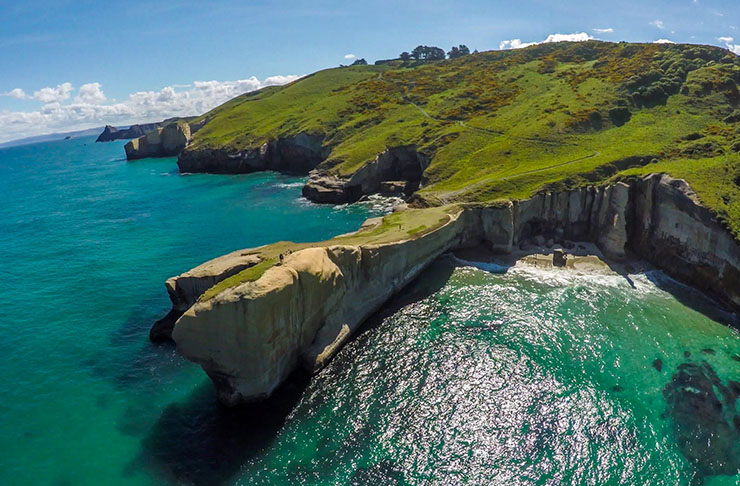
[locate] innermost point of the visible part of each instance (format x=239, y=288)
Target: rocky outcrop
x=670, y=228
x=185, y=289
x=111, y=133
x=161, y=142
x=394, y=168
x=250, y=336
x=297, y=155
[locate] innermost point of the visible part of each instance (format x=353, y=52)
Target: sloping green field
x=504, y=124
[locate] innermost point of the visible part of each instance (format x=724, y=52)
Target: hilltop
x=498, y=124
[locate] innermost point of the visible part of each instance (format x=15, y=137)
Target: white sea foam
x=289, y=185
x=378, y=203
x=486, y=267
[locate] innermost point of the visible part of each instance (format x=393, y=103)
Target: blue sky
x=77, y=64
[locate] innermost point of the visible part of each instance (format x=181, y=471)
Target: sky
x=69, y=65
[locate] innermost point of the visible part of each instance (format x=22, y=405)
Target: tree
x=405, y=56
x=459, y=51
x=427, y=53
x=359, y=62
x=436, y=54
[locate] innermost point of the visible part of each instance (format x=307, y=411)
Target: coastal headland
x=634, y=148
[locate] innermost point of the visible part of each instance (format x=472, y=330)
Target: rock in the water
x=559, y=258
x=658, y=364
x=704, y=419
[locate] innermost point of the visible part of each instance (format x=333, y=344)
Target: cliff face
x=162, y=142
x=403, y=167
x=297, y=155
x=395, y=171
x=185, y=289
x=249, y=337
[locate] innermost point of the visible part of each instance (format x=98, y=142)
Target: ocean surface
x=473, y=376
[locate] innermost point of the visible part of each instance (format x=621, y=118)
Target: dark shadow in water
x=695, y=299
x=201, y=442
x=430, y=281
x=704, y=418
x=130, y=359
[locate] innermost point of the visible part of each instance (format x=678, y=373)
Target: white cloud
x=91, y=108
x=518, y=44
x=51, y=95
x=16, y=93
x=608, y=30
x=663, y=41
x=90, y=93
x=279, y=80
x=658, y=23
x=349, y=56
x=729, y=43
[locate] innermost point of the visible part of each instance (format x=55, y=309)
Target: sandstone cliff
x=249, y=336
x=161, y=142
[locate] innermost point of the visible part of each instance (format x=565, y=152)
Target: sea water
x=472, y=376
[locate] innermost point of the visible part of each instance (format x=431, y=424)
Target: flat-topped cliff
x=252, y=317
x=167, y=141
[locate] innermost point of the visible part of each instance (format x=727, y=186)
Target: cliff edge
x=253, y=327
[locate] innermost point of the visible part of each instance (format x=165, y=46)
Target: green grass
x=506, y=124
x=249, y=275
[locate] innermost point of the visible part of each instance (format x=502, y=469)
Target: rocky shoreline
x=397, y=171
x=249, y=337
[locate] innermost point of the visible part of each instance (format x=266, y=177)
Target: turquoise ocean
x=475, y=375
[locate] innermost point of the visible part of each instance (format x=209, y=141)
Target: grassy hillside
x=504, y=124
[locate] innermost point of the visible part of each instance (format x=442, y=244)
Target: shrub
x=620, y=115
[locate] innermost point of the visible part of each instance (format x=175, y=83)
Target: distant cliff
x=111, y=133
x=160, y=142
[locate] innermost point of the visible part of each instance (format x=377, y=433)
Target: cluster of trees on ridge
x=423, y=54
x=431, y=53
